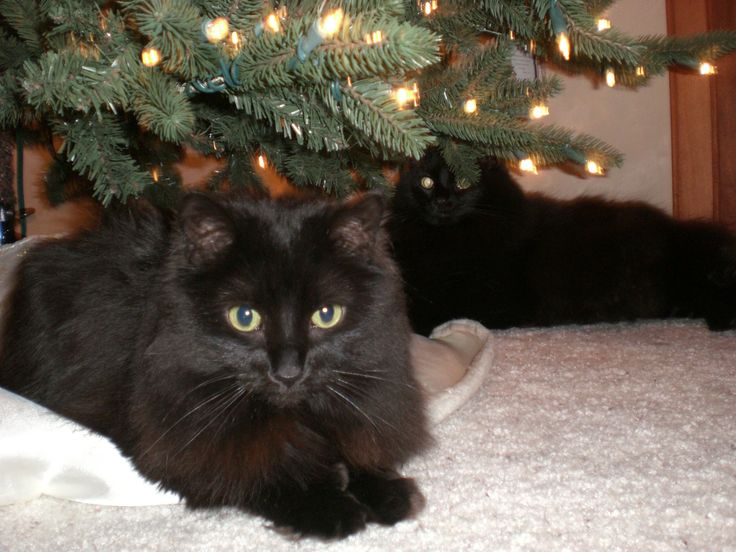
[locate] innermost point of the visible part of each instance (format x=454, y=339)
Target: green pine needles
x=325, y=103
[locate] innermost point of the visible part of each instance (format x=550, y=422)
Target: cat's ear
x=208, y=229
x=356, y=224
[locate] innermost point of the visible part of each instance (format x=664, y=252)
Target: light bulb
x=217, y=29
x=428, y=7
x=330, y=23
x=563, y=43
x=594, y=168
x=272, y=23
x=641, y=71
x=262, y=161
x=150, y=57
x=707, y=68
x=527, y=165
x=538, y=111
x=404, y=95
x=610, y=78
x=603, y=24
x=470, y=105
x=374, y=38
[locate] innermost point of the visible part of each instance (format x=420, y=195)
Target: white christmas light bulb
x=217, y=29
x=610, y=78
x=150, y=57
x=603, y=24
x=563, y=43
x=330, y=23
x=707, y=68
x=538, y=111
x=593, y=168
x=527, y=165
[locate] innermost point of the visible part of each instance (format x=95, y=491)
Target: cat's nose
x=287, y=367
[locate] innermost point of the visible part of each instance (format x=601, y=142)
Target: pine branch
x=24, y=18
x=61, y=81
x=97, y=149
x=547, y=144
x=174, y=28
x=370, y=107
x=327, y=173
x=161, y=107
x=13, y=52
x=271, y=61
x=295, y=114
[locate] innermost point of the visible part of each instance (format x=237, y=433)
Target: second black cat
x=492, y=253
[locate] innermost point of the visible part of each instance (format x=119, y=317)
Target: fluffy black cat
x=246, y=353
x=492, y=253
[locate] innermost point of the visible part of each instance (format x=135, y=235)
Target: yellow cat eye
x=427, y=183
x=462, y=184
x=244, y=318
x=328, y=316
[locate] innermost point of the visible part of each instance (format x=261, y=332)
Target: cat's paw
x=332, y=515
x=390, y=499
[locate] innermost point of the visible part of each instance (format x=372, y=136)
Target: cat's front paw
x=332, y=515
x=390, y=498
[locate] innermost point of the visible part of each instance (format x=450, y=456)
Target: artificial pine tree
x=323, y=90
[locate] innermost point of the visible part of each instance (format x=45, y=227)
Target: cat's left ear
x=207, y=228
x=356, y=224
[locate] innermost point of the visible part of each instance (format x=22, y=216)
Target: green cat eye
x=427, y=183
x=328, y=316
x=244, y=319
x=462, y=184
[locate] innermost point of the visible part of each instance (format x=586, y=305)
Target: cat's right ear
x=208, y=230
x=356, y=225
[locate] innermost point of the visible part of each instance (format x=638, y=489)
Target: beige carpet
x=613, y=437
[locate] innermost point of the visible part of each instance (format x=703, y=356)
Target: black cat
x=244, y=352
x=492, y=253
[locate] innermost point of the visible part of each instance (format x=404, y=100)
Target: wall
x=636, y=122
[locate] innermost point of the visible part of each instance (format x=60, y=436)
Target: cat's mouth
x=286, y=394
x=440, y=217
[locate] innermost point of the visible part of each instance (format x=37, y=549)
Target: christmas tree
x=324, y=91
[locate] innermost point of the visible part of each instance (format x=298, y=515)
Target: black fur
x=125, y=329
x=505, y=258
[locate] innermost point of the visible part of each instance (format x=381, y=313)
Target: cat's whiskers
x=217, y=410
x=242, y=397
x=352, y=404
x=358, y=409
x=204, y=402
x=371, y=376
x=219, y=377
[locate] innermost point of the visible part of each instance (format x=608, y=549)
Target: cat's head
x=428, y=187
x=287, y=305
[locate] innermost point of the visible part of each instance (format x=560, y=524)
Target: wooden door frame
x=703, y=114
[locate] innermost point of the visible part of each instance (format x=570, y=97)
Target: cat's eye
x=426, y=183
x=328, y=316
x=462, y=184
x=244, y=319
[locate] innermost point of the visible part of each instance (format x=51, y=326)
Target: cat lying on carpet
x=246, y=353
x=492, y=253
